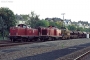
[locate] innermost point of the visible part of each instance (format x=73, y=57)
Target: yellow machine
x=65, y=33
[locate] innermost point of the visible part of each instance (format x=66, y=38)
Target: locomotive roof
x=21, y=24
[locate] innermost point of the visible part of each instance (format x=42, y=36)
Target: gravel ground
x=36, y=49
x=76, y=54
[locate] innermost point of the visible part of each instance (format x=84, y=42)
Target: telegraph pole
x=63, y=19
x=63, y=15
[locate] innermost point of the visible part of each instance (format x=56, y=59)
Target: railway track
x=6, y=43
x=83, y=54
x=9, y=43
x=13, y=44
x=62, y=52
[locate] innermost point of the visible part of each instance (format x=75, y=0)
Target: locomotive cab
x=22, y=25
x=18, y=32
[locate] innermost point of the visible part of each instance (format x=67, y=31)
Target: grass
x=1, y=38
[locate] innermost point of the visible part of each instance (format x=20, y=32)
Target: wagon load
x=80, y=34
x=74, y=34
x=65, y=33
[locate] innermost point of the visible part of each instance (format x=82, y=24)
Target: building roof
x=67, y=20
x=83, y=22
x=75, y=23
x=54, y=19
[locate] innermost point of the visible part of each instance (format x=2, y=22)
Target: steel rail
x=82, y=56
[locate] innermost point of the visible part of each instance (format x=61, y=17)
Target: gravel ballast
x=20, y=51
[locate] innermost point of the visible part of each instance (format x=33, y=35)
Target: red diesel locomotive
x=50, y=33
x=24, y=33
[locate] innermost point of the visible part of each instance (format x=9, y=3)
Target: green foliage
x=33, y=19
x=52, y=23
x=71, y=27
x=8, y=17
x=59, y=24
x=24, y=17
x=86, y=29
x=80, y=29
x=43, y=23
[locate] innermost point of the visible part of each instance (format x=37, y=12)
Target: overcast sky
x=74, y=9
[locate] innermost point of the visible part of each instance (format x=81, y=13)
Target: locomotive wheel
x=43, y=40
x=63, y=38
x=21, y=40
x=26, y=40
x=52, y=39
x=30, y=40
x=38, y=39
x=13, y=40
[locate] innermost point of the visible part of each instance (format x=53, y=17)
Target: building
x=20, y=19
x=83, y=24
x=67, y=22
x=53, y=19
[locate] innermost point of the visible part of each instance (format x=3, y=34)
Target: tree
x=87, y=29
x=52, y=23
x=43, y=23
x=71, y=27
x=33, y=19
x=80, y=29
x=8, y=17
x=24, y=17
x=59, y=24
